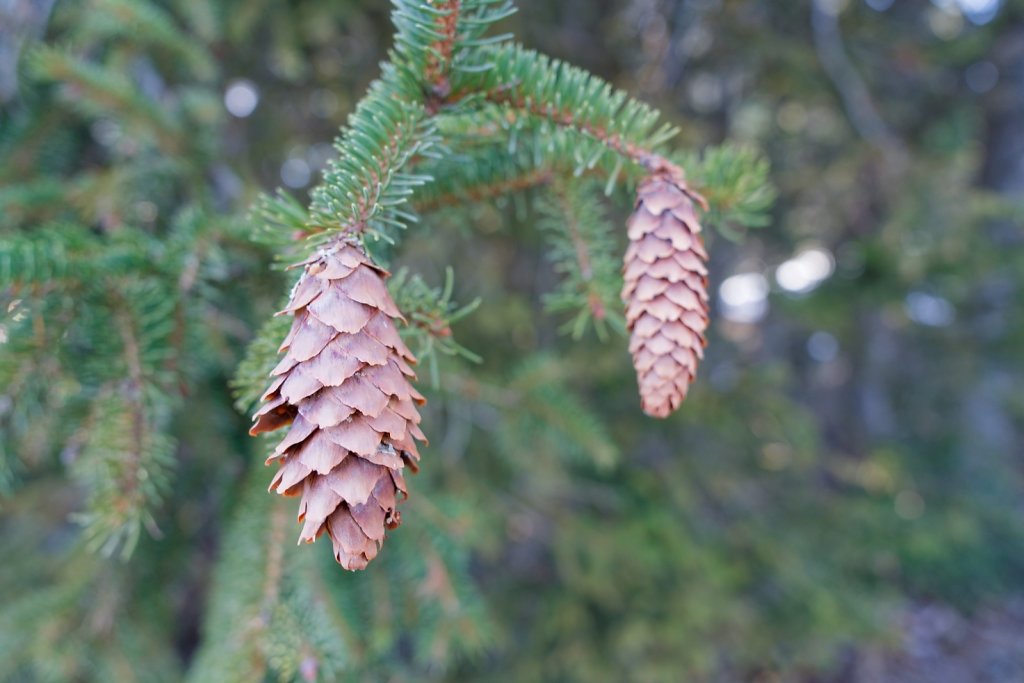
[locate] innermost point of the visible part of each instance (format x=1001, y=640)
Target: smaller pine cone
x=665, y=290
x=343, y=386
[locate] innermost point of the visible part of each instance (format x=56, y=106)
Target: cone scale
x=343, y=389
x=665, y=290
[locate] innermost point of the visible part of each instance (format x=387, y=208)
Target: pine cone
x=665, y=289
x=343, y=385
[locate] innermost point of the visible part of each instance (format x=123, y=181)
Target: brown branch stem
x=355, y=227
x=582, y=251
x=439, y=58
x=273, y=570
x=533, y=178
x=648, y=159
x=274, y=567
x=133, y=358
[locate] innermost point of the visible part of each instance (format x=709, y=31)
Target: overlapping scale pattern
x=344, y=388
x=665, y=290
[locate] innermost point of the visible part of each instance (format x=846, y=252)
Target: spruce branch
x=571, y=97
x=505, y=153
x=260, y=357
x=341, y=623
x=586, y=255
x=476, y=118
x=126, y=453
x=22, y=202
x=243, y=593
x=439, y=57
x=542, y=408
x=29, y=259
x=496, y=144
x=123, y=462
x=273, y=567
x=149, y=26
x=735, y=181
x=363, y=190
x=438, y=41
x=485, y=189
x=497, y=152
x=279, y=219
x=103, y=91
x=432, y=313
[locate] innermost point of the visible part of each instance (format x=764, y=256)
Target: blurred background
x=840, y=499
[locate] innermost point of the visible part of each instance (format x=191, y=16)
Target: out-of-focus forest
x=840, y=499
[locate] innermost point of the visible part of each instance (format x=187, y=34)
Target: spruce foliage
x=125, y=279
x=123, y=273
x=550, y=536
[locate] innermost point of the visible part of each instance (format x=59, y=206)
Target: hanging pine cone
x=665, y=289
x=343, y=385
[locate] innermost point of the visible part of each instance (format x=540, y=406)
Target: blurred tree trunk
x=1003, y=168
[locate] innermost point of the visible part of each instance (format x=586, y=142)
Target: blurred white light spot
x=981, y=77
x=295, y=172
x=744, y=297
x=945, y=20
x=743, y=288
x=3, y=334
x=980, y=11
x=831, y=6
x=805, y=271
x=791, y=117
x=241, y=98
x=822, y=347
x=106, y=132
x=928, y=309
x=697, y=40
x=706, y=92
x=879, y=5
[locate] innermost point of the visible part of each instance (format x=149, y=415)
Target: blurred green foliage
x=850, y=453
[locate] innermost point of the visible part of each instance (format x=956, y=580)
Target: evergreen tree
x=779, y=519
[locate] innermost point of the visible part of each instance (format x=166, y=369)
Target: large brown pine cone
x=665, y=290
x=343, y=385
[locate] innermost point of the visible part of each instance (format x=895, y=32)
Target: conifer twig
x=484, y=191
x=274, y=567
x=439, y=56
x=582, y=252
x=649, y=160
x=133, y=357
x=333, y=612
x=273, y=570
x=365, y=185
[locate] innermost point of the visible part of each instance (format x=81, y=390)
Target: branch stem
x=439, y=59
x=648, y=159
x=531, y=178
